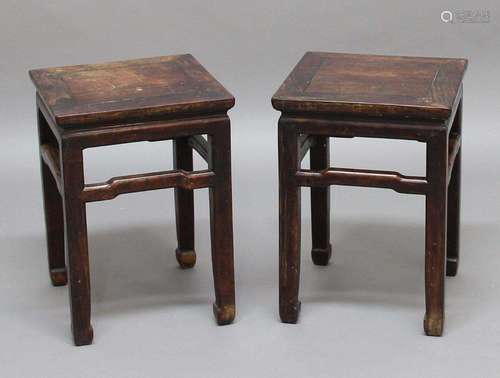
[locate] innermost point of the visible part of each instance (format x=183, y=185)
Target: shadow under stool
x=152, y=99
x=351, y=95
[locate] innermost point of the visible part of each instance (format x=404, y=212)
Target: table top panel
x=133, y=89
x=372, y=85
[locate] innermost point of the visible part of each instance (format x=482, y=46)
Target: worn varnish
x=372, y=85
x=351, y=95
x=142, y=89
x=152, y=99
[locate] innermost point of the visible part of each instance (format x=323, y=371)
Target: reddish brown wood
x=320, y=204
x=75, y=232
x=453, y=151
x=348, y=95
x=342, y=126
x=221, y=223
x=453, y=218
x=306, y=142
x=184, y=206
x=53, y=206
x=142, y=89
x=363, y=177
x=144, y=100
x=50, y=156
x=435, y=232
x=372, y=85
x=136, y=132
x=148, y=181
x=289, y=225
x=199, y=144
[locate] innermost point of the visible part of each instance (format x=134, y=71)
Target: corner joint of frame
x=70, y=141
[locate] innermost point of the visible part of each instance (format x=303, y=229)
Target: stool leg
x=184, y=207
x=221, y=224
x=435, y=233
x=289, y=224
x=320, y=204
x=453, y=237
x=75, y=224
x=53, y=208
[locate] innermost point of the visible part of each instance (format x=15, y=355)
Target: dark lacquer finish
x=351, y=95
x=140, y=100
x=142, y=89
x=372, y=85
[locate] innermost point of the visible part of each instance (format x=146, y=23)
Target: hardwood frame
x=302, y=132
x=66, y=194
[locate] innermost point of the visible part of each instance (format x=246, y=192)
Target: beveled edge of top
x=302, y=104
x=151, y=113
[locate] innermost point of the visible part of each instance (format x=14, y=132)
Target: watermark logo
x=466, y=16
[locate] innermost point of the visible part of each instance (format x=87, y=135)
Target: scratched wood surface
x=372, y=85
x=141, y=90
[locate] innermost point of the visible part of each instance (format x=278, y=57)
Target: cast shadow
x=135, y=268
x=132, y=269
x=371, y=263
x=382, y=264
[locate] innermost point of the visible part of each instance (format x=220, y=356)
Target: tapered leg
x=75, y=224
x=435, y=233
x=221, y=223
x=289, y=223
x=320, y=204
x=453, y=236
x=53, y=208
x=184, y=207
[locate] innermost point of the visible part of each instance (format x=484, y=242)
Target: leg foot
x=433, y=325
x=451, y=267
x=185, y=258
x=321, y=256
x=224, y=314
x=83, y=336
x=289, y=313
x=59, y=277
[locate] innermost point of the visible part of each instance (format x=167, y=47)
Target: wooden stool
x=347, y=95
x=154, y=99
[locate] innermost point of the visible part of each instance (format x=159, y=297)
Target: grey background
x=361, y=316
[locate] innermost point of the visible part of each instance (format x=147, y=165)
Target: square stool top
x=372, y=85
x=132, y=90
